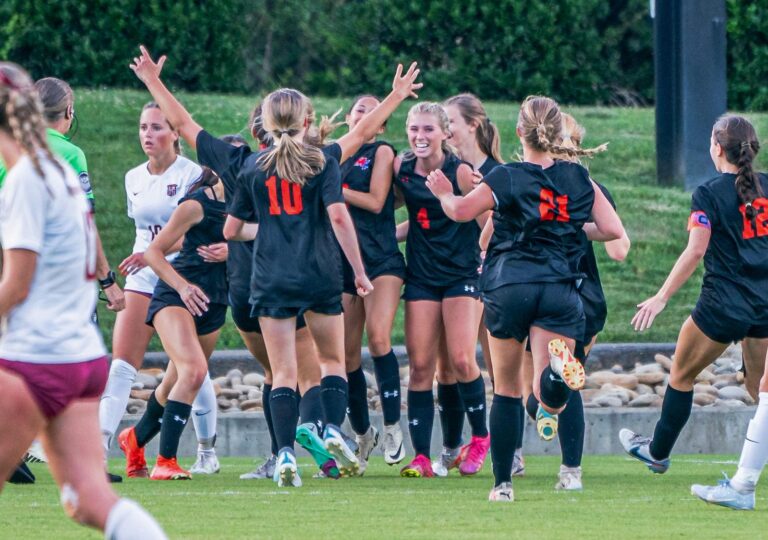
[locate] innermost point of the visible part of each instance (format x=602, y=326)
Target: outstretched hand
x=405, y=86
x=145, y=68
x=439, y=184
x=647, y=313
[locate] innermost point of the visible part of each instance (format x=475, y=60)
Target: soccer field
x=621, y=500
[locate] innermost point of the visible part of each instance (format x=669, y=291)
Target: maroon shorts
x=55, y=386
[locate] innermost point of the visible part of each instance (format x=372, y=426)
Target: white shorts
x=143, y=281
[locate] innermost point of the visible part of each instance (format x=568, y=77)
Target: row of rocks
x=719, y=385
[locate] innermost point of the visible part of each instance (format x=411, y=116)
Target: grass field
x=621, y=500
x=655, y=217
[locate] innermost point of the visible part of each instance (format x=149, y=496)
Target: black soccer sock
x=553, y=391
x=421, y=416
x=675, y=411
x=333, y=392
x=311, y=408
x=175, y=419
x=570, y=430
x=451, y=409
x=532, y=406
x=473, y=396
x=285, y=415
x=388, y=379
x=150, y=422
x=504, y=420
x=521, y=430
x=358, y=402
x=267, y=404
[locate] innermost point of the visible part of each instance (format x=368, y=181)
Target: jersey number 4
x=553, y=208
x=759, y=225
x=290, y=196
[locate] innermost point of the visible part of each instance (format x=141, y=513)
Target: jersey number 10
x=759, y=225
x=290, y=195
x=553, y=208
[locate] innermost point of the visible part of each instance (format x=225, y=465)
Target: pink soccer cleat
x=474, y=458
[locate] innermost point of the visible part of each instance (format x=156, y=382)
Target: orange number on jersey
x=291, y=196
x=548, y=204
x=759, y=225
x=422, y=218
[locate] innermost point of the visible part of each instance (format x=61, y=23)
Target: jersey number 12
x=290, y=194
x=759, y=225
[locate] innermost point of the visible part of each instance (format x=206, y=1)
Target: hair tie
x=488, y=119
x=283, y=131
x=6, y=80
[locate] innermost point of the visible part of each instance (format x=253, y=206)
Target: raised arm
x=403, y=87
x=381, y=183
x=148, y=71
x=458, y=208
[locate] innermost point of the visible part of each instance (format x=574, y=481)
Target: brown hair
x=737, y=136
x=317, y=135
x=21, y=114
x=256, y=127
x=177, y=142
x=207, y=178
x=363, y=96
x=284, y=114
x=57, y=98
x=473, y=112
x=541, y=124
x=438, y=111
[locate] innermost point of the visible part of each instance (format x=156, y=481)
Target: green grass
x=621, y=500
x=655, y=217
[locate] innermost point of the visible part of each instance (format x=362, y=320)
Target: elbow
x=377, y=208
x=460, y=215
x=619, y=252
x=615, y=231
x=696, y=252
x=229, y=235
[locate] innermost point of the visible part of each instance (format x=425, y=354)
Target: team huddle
x=298, y=238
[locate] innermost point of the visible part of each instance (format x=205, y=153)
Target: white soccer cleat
x=36, y=454
x=263, y=471
x=365, y=445
x=569, y=479
x=207, y=462
x=392, y=446
x=286, y=470
x=724, y=494
x=502, y=493
x=339, y=447
x=449, y=459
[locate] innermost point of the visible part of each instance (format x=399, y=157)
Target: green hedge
x=578, y=51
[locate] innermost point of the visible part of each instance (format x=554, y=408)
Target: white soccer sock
x=204, y=414
x=115, y=398
x=755, y=452
x=129, y=521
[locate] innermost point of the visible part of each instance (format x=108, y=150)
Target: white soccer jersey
x=151, y=201
x=51, y=217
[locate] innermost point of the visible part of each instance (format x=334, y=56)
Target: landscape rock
x=223, y=382
x=141, y=394
x=607, y=401
x=732, y=403
x=703, y=399
x=700, y=388
x=253, y=379
x=250, y=404
x=149, y=381
x=651, y=378
x=643, y=389
x=735, y=392
x=646, y=400
x=664, y=361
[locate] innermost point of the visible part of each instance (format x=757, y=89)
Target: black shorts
x=511, y=310
x=394, y=266
x=437, y=293
x=332, y=307
x=595, y=314
x=208, y=322
x=241, y=315
x=714, y=321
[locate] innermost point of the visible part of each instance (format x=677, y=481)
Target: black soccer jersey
x=211, y=277
x=736, y=261
x=296, y=261
x=488, y=165
x=439, y=251
x=375, y=232
x=538, y=216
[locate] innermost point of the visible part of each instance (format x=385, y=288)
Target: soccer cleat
x=518, y=463
x=502, y=493
x=420, y=467
x=473, y=459
x=22, y=475
x=35, y=454
x=365, y=445
x=563, y=363
x=207, y=462
x=449, y=459
x=724, y=494
x=569, y=479
x=168, y=469
x=286, y=469
x=263, y=471
x=392, y=447
x=338, y=445
x=308, y=439
x=114, y=478
x=135, y=464
x=638, y=447
x=546, y=424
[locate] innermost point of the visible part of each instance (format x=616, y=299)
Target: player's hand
x=477, y=177
x=214, y=253
x=115, y=298
x=132, y=264
x=363, y=285
x=194, y=298
x=145, y=68
x=405, y=86
x=648, y=311
x=439, y=184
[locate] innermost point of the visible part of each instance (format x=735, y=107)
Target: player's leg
x=450, y=410
x=354, y=324
x=205, y=415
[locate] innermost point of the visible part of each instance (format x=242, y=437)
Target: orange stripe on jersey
x=699, y=219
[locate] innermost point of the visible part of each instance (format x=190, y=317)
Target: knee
x=465, y=367
x=420, y=374
x=378, y=343
x=192, y=376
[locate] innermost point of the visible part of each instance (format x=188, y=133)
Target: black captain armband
x=107, y=281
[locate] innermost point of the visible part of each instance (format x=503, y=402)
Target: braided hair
x=21, y=115
x=737, y=137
